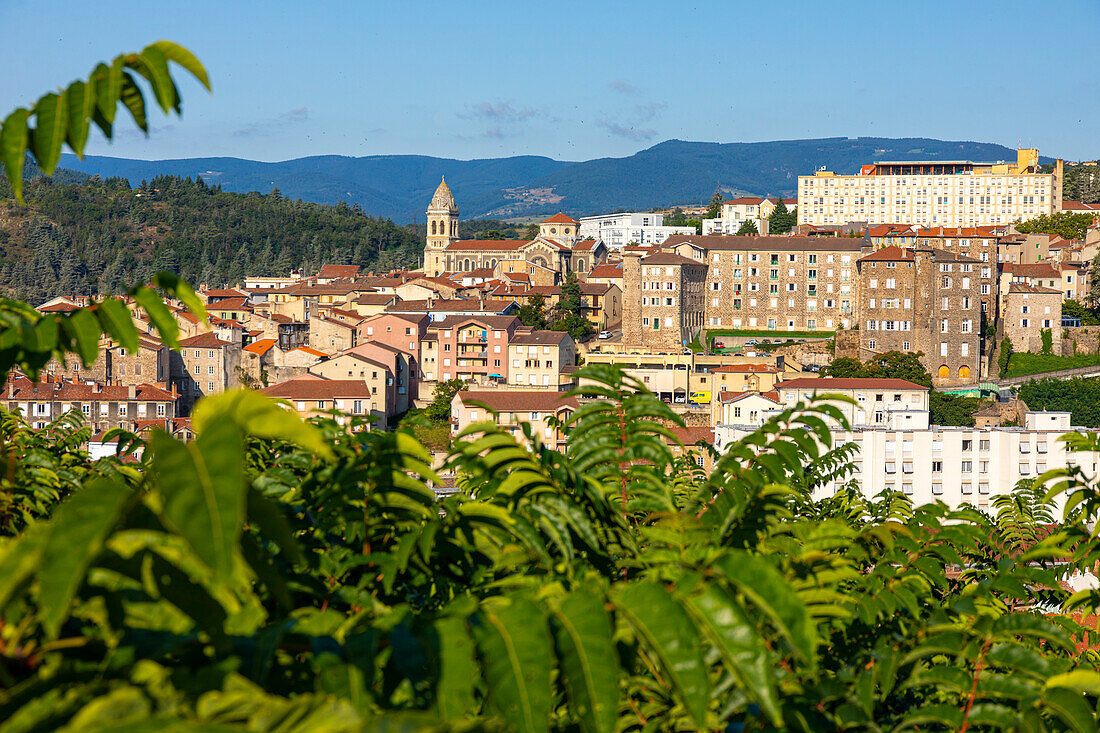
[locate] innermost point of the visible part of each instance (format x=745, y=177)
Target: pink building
x=473, y=348
x=401, y=331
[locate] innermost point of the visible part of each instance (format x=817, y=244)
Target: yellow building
x=932, y=193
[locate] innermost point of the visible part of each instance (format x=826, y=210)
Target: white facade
x=955, y=200
x=619, y=230
x=950, y=464
x=888, y=403
x=746, y=208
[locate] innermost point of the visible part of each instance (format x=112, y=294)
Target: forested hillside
x=103, y=236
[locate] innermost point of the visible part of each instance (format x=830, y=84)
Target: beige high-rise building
x=932, y=193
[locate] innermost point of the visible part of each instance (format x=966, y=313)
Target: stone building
x=150, y=363
x=558, y=248
x=1030, y=310
x=331, y=335
x=204, y=365
x=536, y=358
x=775, y=283
x=102, y=406
x=662, y=299
x=928, y=301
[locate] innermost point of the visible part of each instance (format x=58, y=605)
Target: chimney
x=131, y=392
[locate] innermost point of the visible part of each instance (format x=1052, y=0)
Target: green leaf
x=724, y=622
x=159, y=314
x=1071, y=708
x=668, y=630
x=771, y=592
x=108, y=89
x=116, y=320
x=1081, y=680
x=268, y=515
x=51, y=117
x=75, y=537
x=202, y=489
x=514, y=644
x=181, y=290
x=154, y=68
x=458, y=670
x=183, y=57
x=130, y=95
x=83, y=328
x=13, y=149
x=81, y=98
x=260, y=416
x=589, y=663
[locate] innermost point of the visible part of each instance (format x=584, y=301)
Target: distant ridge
x=672, y=172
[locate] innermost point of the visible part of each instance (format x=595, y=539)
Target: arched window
x=944, y=372
x=964, y=372
x=433, y=226
x=466, y=265
x=454, y=228
x=493, y=262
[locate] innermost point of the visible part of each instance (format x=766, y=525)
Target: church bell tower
x=442, y=230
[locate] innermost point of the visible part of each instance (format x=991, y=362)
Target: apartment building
x=620, y=230
x=536, y=358
x=312, y=396
x=471, y=348
x=510, y=409
x=776, y=283
x=376, y=373
x=893, y=403
x=1029, y=311
x=401, y=331
x=204, y=365
x=1038, y=275
x=927, y=301
x=932, y=193
x=662, y=300
x=736, y=212
x=102, y=406
x=956, y=465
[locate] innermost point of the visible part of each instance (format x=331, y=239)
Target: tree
x=1065, y=224
x=533, y=313
x=439, y=410
x=532, y=232
x=714, y=208
x=1073, y=309
x=781, y=221
x=748, y=227
x=569, y=313
x=1048, y=340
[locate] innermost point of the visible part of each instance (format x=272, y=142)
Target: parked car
x=751, y=342
x=605, y=334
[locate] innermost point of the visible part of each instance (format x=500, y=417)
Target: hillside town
x=729, y=328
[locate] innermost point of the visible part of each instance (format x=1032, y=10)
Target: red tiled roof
x=311, y=352
x=22, y=388
x=314, y=388
x=58, y=308
x=893, y=253
x=607, y=270
x=338, y=271
x=230, y=304
x=261, y=346
x=744, y=200
x=670, y=258
x=216, y=293
x=728, y=397
x=204, y=341
x=775, y=244
x=824, y=384
x=479, y=245
x=503, y=400
x=1041, y=269
x=585, y=245
x=559, y=218
x=1031, y=289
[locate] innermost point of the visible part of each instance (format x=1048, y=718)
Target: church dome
x=443, y=198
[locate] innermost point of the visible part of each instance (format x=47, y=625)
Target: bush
x=1005, y=356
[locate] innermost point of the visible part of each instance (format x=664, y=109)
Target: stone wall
x=1086, y=339
x=847, y=344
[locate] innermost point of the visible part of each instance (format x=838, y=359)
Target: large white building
x=619, y=230
x=956, y=465
x=932, y=193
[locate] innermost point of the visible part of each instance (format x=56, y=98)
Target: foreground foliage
x=279, y=575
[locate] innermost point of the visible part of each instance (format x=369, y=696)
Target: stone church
x=548, y=258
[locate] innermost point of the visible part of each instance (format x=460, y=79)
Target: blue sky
x=578, y=80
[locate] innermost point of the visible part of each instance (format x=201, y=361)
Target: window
x=937, y=466
x=967, y=466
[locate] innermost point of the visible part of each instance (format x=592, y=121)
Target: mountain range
x=674, y=172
